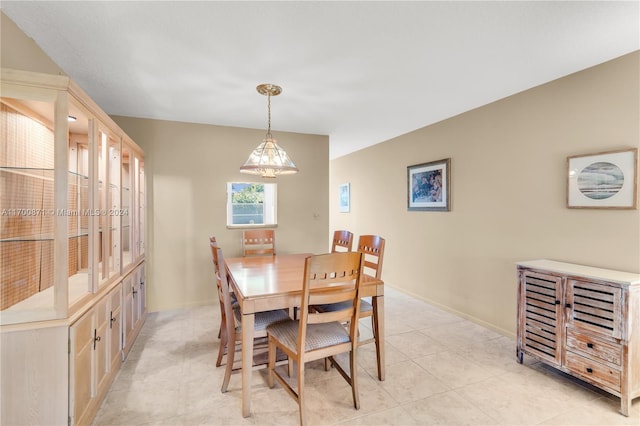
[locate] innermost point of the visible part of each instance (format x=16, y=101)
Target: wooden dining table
x=264, y=283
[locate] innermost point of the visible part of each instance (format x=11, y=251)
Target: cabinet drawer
x=592, y=370
x=594, y=348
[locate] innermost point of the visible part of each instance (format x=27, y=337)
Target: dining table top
x=264, y=276
x=259, y=276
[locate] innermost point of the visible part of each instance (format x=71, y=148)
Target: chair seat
x=365, y=306
x=318, y=335
x=263, y=319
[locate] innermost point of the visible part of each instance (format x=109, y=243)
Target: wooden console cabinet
x=584, y=321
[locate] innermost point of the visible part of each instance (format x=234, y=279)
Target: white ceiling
x=360, y=72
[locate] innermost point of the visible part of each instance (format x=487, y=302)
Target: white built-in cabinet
x=95, y=355
x=134, y=306
x=72, y=279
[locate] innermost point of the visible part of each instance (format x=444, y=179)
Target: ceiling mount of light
x=268, y=159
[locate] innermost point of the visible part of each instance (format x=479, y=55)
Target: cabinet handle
x=557, y=302
x=111, y=319
x=134, y=292
x=567, y=305
x=590, y=345
x=96, y=338
x=589, y=370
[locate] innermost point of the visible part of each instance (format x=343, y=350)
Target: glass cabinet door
x=113, y=212
x=108, y=206
x=125, y=217
x=27, y=204
x=141, y=205
x=78, y=211
x=27, y=182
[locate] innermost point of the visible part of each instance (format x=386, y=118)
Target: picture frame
x=344, y=194
x=604, y=180
x=428, y=186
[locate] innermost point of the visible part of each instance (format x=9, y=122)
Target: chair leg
x=376, y=332
x=289, y=366
x=353, y=365
x=221, y=321
x=222, y=345
x=231, y=352
x=271, y=362
x=300, y=401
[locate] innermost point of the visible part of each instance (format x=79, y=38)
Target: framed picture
x=345, y=202
x=606, y=180
x=428, y=186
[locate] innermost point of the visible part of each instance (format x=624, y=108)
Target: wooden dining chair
x=258, y=242
x=328, y=278
x=232, y=319
x=213, y=244
x=372, y=249
x=342, y=241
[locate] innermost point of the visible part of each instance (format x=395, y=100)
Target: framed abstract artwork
x=606, y=180
x=345, y=198
x=428, y=186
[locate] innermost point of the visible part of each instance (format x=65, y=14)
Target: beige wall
x=187, y=167
x=508, y=186
x=20, y=52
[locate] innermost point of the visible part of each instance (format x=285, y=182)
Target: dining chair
x=232, y=318
x=372, y=249
x=328, y=278
x=214, y=244
x=342, y=240
x=258, y=242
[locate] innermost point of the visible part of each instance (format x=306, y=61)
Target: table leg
x=378, y=323
x=248, y=321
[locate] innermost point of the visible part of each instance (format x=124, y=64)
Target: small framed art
x=428, y=186
x=606, y=180
x=345, y=198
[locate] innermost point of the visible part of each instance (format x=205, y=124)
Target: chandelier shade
x=269, y=159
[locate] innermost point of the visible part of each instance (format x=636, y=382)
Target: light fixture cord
x=269, y=112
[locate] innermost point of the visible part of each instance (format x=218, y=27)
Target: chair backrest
x=372, y=247
x=331, y=278
x=342, y=240
x=258, y=242
x=223, y=286
x=216, y=265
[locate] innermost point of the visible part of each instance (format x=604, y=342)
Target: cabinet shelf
x=28, y=238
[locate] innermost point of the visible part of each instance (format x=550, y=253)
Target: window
x=251, y=204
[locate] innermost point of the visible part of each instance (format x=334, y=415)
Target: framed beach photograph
x=606, y=180
x=428, y=186
x=345, y=200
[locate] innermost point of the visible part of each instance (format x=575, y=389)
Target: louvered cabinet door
x=594, y=307
x=541, y=329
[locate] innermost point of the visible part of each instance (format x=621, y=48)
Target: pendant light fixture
x=268, y=159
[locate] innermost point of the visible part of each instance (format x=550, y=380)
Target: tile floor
x=441, y=369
